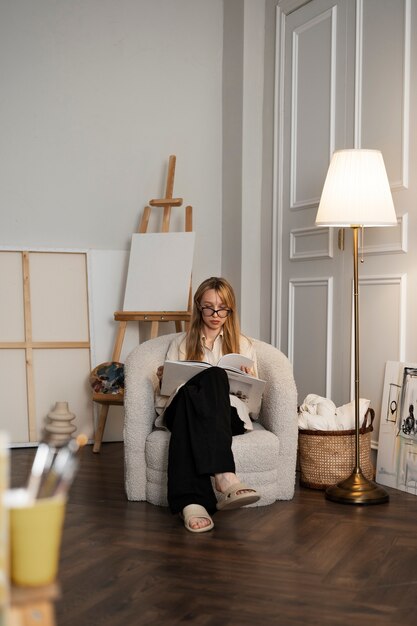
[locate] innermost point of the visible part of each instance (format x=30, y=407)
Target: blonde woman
x=203, y=416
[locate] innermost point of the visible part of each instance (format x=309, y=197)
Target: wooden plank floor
x=307, y=561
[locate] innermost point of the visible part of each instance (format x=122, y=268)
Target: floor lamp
x=357, y=194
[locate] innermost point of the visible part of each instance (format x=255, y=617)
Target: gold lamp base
x=356, y=489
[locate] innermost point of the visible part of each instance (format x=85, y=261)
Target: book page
x=235, y=361
x=248, y=388
x=177, y=373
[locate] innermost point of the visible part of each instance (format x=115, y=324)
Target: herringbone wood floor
x=308, y=561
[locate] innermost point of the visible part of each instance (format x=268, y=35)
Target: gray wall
x=95, y=97
x=248, y=123
x=98, y=94
x=233, y=41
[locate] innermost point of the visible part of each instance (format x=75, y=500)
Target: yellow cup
x=35, y=541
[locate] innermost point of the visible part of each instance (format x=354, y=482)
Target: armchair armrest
x=279, y=407
x=140, y=380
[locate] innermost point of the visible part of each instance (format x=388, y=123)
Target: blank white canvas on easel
x=159, y=273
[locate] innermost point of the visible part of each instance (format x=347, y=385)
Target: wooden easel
x=154, y=317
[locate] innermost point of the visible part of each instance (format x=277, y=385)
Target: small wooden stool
x=32, y=606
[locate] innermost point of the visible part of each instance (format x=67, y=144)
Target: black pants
x=202, y=424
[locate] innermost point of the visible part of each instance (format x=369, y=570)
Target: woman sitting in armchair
x=202, y=416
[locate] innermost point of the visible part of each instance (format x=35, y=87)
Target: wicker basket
x=327, y=457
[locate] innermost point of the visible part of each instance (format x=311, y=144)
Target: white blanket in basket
x=317, y=413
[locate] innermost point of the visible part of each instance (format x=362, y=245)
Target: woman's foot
x=223, y=482
x=196, y=519
x=234, y=493
x=196, y=523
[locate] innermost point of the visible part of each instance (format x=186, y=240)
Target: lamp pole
x=356, y=489
x=356, y=338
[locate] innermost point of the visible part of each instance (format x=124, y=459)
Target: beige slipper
x=230, y=499
x=195, y=510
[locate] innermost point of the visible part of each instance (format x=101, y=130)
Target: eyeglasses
x=208, y=311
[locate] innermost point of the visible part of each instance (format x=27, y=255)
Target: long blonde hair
x=230, y=329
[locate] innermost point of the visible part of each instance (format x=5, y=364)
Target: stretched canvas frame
x=44, y=339
x=159, y=273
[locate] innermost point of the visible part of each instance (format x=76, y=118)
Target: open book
x=248, y=388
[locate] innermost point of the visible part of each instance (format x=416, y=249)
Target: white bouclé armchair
x=265, y=457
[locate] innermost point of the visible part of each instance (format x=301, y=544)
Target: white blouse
x=177, y=352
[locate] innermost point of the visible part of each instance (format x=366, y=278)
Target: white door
x=341, y=85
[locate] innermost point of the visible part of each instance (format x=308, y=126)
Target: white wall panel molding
x=399, y=281
x=395, y=240
x=288, y=6
x=295, y=285
x=382, y=325
x=399, y=159
x=277, y=192
x=406, y=93
x=311, y=243
x=297, y=201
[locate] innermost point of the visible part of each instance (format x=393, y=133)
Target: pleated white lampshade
x=356, y=191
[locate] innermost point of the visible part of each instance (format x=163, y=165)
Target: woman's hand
x=247, y=370
x=160, y=373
